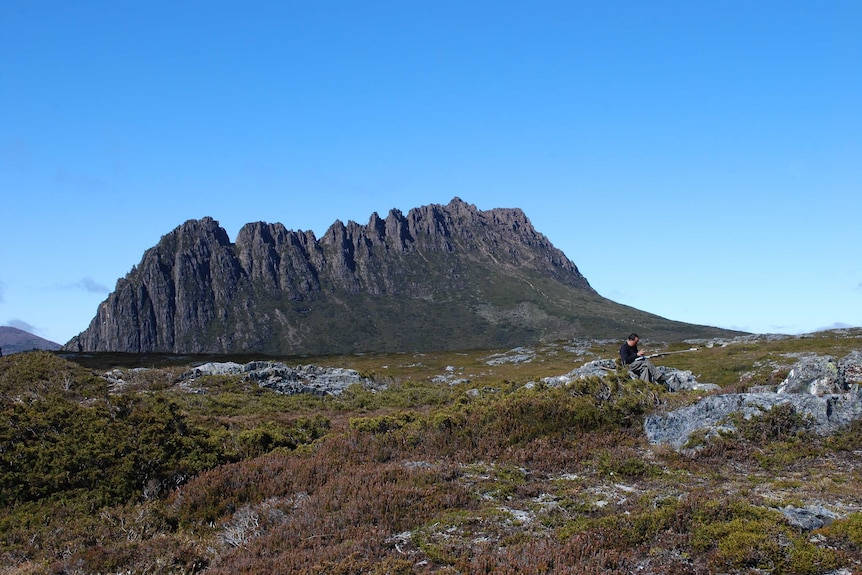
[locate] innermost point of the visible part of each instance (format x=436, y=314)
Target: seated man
x=639, y=365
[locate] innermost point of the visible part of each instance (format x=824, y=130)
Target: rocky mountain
x=440, y=277
x=14, y=340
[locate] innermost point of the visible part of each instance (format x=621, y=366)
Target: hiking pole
x=670, y=352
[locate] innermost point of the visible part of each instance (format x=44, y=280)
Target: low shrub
x=110, y=450
x=398, y=395
x=269, y=435
x=382, y=423
x=735, y=535
x=847, y=439
x=37, y=374
x=848, y=529
x=781, y=422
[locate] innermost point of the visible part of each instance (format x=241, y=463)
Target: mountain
x=441, y=277
x=14, y=340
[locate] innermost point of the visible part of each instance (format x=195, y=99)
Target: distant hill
x=14, y=340
x=441, y=277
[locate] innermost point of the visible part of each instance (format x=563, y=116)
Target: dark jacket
x=628, y=353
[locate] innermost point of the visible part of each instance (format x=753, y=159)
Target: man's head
x=633, y=339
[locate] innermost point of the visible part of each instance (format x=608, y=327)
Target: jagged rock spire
x=440, y=277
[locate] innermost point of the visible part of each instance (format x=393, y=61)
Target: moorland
x=451, y=462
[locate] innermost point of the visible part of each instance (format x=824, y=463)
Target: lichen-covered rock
x=516, y=355
x=713, y=414
x=282, y=378
x=806, y=389
x=851, y=368
x=816, y=375
x=683, y=380
x=808, y=518
x=675, y=379
x=596, y=368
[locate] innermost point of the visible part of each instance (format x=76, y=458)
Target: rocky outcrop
x=440, y=277
x=808, y=518
x=819, y=375
x=683, y=380
x=816, y=387
x=675, y=379
x=279, y=377
x=596, y=368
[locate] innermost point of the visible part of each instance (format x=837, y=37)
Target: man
x=639, y=365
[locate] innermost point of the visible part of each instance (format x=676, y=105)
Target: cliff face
x=441, y=277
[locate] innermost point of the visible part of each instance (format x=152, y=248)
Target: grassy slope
x=477, y=475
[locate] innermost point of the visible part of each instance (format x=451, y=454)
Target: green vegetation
x=455, y=466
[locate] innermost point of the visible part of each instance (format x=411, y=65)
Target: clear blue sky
x=697, y=160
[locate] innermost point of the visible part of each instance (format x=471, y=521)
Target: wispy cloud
x=836, y=325
x=2, y=291
x=89, y=285
x=21, y=324
x=93, y=286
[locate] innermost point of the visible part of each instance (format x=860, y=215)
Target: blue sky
x=697, y=160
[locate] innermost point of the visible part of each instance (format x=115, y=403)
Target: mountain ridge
x=440, y=277
x=14, y=340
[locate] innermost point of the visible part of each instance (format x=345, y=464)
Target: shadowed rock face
x=441, y=277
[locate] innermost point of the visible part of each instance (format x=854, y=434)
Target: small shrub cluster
x=735, y=536
x=33, y=375
x=110, y=450
x=69, y=449
x=781, y=423
x=731, y=536
x=848, y=529
x=775, y=439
